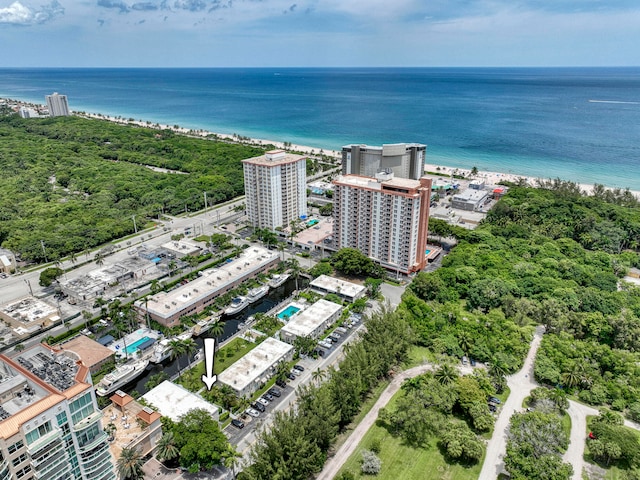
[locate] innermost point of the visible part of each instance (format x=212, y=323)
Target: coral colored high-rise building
x=386, y=218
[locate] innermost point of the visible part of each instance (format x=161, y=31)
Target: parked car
x=268, y=397
x=258, y=406
x=299, y=368
x=281, y=384
x=495, y=400
x=291, y=376
x=492, y=408
x=237, y=423
x=252, y=412
x=335, y=336
x=472, y=361
x=341, y=330
x=263, y=401
x=295, y=372
x=274, y=391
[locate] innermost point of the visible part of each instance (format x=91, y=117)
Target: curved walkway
x=520, y=384
x=333, y=465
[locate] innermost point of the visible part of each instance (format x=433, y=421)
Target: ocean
x=579, y=124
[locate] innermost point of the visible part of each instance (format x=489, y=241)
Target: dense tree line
x=296, y=445
x=75, y=183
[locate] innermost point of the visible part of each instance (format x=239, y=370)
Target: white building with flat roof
x=275, y=187
x=469, y=199
x=167, y=307
x=349, y=291
x=174, y=401
x=311, y=322
x=57, y=105
x=254, y=369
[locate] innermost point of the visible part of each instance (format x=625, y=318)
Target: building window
x=15, y=447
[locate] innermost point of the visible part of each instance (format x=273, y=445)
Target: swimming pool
x=427, y=252
x=288, y=312
x=134, y=346
x=311, y=223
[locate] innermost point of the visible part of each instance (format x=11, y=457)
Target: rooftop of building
x=376, y=183
x=274, y=157
x=28, y=310
x=90, y=352
x=471, y=195
x=316, y=234
x=253, y=365
x=166, y=304
x=381, y=147
x=309, y=319
x=332, y=284
x=174, y=400
x=182, y=247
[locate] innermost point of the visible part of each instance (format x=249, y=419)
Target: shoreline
x=490, y=177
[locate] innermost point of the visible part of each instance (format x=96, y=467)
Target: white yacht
x=120, y=377
x=204, y=325
x=256, y=294
x=237, y=304
x=278, y=280
x=162, y=349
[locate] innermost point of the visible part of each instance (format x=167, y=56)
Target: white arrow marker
x=209, y=348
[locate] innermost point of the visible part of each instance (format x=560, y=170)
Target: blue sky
x=219, y=33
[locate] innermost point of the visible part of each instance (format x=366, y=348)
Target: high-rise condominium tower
x=57, y=105
x=275, y=186
x=405, y=160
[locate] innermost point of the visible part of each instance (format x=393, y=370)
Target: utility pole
x=135, y=227
x=205, y=201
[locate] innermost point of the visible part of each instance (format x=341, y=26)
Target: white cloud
x=19, y=14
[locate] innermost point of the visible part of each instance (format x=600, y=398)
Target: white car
x=263, y=401
x=252, y=412
x=295, y=372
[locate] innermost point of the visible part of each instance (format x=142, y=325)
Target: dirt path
x=334, y=464
x=520, y=384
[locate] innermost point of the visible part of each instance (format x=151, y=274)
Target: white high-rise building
x=57, y=105
x=275, y=187
x=50, y=424
x=405, y=160
x=386, y=218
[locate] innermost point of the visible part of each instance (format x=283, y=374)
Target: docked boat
x=256, y=294
x=120, y=377
x=278, y=280
x=237, y=304
x=203, y=326
x=162, y=350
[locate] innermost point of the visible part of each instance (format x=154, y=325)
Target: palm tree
x=155, y=286
x=190, y=347
x=130, y=464
x=465, y=341
x=217, y=329
x=177, y=349
x=231, y=459
x=166, y=448
x=318, y=375
x=294, y=266
x=281, y=248
x=99, y=259
x=446, y=374
x=73, y=258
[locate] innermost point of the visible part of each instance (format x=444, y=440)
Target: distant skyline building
x=57, y=105
x=275, y=186
x=405, y=160
x=50, y=423
x=386, y=218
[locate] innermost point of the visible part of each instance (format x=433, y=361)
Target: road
x=520, y=384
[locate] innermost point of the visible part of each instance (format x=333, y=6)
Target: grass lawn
x=400, y=461
x=418, y=355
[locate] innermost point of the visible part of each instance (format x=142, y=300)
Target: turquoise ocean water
x=580, y=124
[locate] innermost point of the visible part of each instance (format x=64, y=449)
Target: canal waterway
x=170, y=368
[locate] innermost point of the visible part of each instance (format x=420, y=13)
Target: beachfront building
x=275, y=189
x=49, y=419
x=348, y=290
x=386, y=218
x=405, y=160
x=255, y=368
x=469, y=199
x=311, y=322
x=174, y=401
x=166, y=308
x=57, y=105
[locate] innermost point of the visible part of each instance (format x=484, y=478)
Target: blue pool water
x=311, y=223
x=134, y=346
x=288, y=312
x=426, y=252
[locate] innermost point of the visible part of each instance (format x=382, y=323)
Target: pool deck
x=297, y=305
x=131, y=338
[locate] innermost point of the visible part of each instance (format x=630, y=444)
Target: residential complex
x=275, y=189
x=311, y=322
x=49, y=420
x=405, y=160
x=57, y=105
x=386, y=218
x=254, y=369
x=174, y=401
x=167, y=307
x=349, y=291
